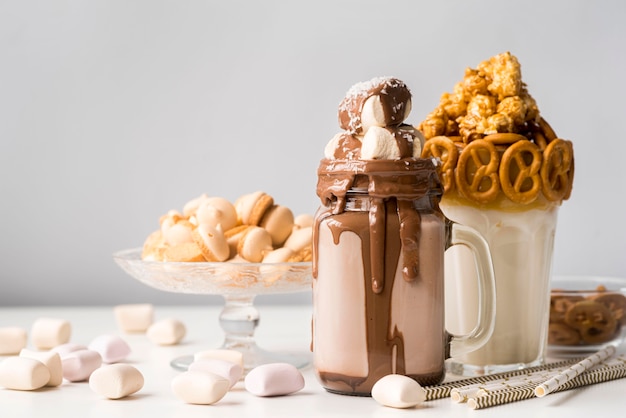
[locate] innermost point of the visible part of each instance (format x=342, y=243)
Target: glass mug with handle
x=379, y=240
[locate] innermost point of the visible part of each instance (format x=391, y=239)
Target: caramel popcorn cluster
x=493, y=142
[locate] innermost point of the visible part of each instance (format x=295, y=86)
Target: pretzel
x=547, y=130
x=505, y=138
x=560, y=304
x=616, y=302
x=557, y=170
x=514, y=183
x=471, y=178
x=593, y=320
x=443, y=148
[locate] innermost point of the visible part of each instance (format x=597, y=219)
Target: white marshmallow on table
x=47, y=333
x=398, y=391
x=79, y=365
x=112, y=348
x=115, y=381
x=134, y=317
x=166, y=332
x=232, y=356
x=274, y=379
x=226, y=369
x=23, y=373
x=12, y=340
x=50, y=359
x=199, y=387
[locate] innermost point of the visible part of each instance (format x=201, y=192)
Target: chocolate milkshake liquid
x=378, y=266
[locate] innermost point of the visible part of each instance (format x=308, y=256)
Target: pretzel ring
x=515, y=181
x=444, y=149
x=557, y=170
x=593, y=320
x=477, y=179
x=504, y=138
x=616, y=302
x=561, y=334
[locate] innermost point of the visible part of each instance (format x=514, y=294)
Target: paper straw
x=443, y=390
x=463, y=393
x=571, y=372
x=587, y=378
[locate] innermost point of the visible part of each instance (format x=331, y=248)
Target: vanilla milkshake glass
x=378, y=266
x=521, y=240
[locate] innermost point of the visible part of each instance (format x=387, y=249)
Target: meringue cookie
x=278, y=221
x=253, y=245
x=212, y=242
x=216, y=211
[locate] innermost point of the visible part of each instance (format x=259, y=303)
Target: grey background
x=113, y=112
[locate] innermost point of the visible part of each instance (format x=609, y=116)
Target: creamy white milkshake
x=505, y=174
x=521, y=244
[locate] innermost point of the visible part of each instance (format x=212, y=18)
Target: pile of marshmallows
x=252, y=229
x=212, y=374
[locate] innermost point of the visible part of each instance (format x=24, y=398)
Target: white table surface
x=282, y=328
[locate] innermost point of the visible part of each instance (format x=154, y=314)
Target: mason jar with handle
x=378, y=265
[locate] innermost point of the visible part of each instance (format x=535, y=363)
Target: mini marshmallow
x=274, y=379
x=47, y=333
x=23, y=373
x=116, y=381
x=79, y=365
x=232, y=356
x=134, y=317
x=166, y=332
x=398, y=391
x=12, y=340
x=226, y=369
x=198, y=387
x=112, y=348
x=51, y=360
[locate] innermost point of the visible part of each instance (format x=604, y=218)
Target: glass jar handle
x=461, y=344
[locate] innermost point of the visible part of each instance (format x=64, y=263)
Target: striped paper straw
x=443, y=390
x=590, y=377
x=571, y=372
x=462, y=394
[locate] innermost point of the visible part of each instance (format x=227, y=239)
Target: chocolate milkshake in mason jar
x=378, y=251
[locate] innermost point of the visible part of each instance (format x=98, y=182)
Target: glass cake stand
x=238, y=284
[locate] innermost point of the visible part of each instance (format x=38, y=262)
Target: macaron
x=251, y=207
x=254, y=243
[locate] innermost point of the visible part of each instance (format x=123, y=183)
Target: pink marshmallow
x=78, y=365
x=274, y=379
x=112, y=348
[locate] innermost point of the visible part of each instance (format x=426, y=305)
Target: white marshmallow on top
x=116, y=381
x=134, y=317
x=274, y=379
x=379, y=144
x=23, y=373
x=398, y=391
x=232, y=356
x=79, y=365
x=51, y=360
x=12, y=340
x=112, y=348
x=166, y=332
x=47, y=333
x=226, y=369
